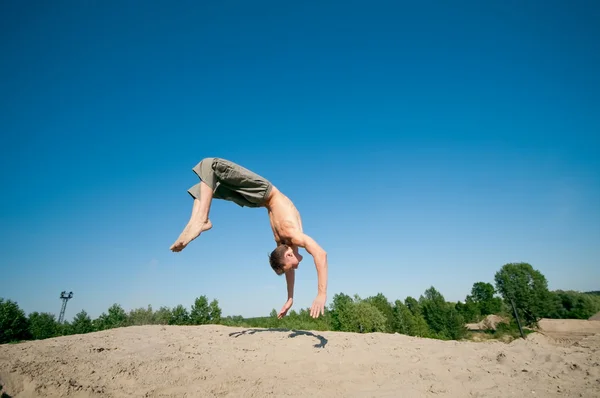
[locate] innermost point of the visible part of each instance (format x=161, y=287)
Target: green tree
x=469, y=310
x=271, y=321
x=363, y=317
x=179, y=316
x=574, y=305
x=433, y=306
x=214, y=312
x=455, y=324
x=340, y=305
x=413, y=305
x=116, y=318
x=421, y=328
x=234, y=320
x=42, y=325
x=82, y=323
x=162, y=316
x=385, y=307
x=14, y=325
x=442, y=317
x=99, y=323
x=141, y=316
x=64, y=328
x=404, y=320
x=528, y=288
x=200, y=314
x=483, y=294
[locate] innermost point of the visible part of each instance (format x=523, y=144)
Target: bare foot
x=191, y=232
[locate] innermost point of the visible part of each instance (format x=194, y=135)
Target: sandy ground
x=216, y=361
x=568, y=331
x=489, y=323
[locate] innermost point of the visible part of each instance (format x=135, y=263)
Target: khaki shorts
x=232, y=182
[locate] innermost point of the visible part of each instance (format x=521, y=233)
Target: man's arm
x=319, y=255
x=290, y=278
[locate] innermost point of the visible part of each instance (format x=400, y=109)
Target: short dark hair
x=276, y=258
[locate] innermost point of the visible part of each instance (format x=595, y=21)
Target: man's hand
x=288, y=304
x=318, y=306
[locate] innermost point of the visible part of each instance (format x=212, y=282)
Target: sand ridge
x=218, y=361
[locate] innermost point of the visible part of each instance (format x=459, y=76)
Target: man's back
x=283, y=215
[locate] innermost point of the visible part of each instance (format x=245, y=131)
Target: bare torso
x=283, y=215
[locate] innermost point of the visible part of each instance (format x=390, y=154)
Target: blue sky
x=423, y=145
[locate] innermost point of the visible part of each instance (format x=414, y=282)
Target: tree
x=141, y=316
x=200, y=314
x=64, y=328
x=42, y=325
x=527, y=287
x=404, y=320
x=421, y=328
x=574, y=305
x=162, y=316
x=14, y=325
x=116, y=318
x=433, y=307
x=469, y=310
x=179, y=316
x=413, y=305
x=483, y=294
x=340, y=305
x=363, y=317
x=82, y=323
x=214, y=312
x=382, y=304
x=271, y=321
x=455, y=324
x=442, y=317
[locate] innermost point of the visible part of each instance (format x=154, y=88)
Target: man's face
x=291, y=259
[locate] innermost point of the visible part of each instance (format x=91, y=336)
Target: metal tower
x=64, y=297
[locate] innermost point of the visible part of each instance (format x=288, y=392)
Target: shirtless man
x=223, y=179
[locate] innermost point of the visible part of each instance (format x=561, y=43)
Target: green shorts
x=232, y=182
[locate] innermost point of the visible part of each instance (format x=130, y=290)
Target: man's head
x=284, y=258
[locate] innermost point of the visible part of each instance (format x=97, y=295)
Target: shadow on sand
x=322, y=340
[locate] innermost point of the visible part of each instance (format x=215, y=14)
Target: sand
x=217, y=361
x=490, y=322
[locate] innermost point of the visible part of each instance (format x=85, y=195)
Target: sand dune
x=217, y=361
x=568, y=330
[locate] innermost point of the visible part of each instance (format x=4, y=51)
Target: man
x=223, y=179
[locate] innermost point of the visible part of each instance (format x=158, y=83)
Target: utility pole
x=512, y=302
x=64, y=297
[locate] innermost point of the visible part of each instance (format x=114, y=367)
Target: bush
x=574, y=305
x=14, y=325
x=43, y=325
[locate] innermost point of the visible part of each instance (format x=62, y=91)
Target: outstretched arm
x=320, y=258
x=290, y=277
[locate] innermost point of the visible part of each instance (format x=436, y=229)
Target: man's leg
x=199, y=221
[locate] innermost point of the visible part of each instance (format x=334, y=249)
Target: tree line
x=429, y=315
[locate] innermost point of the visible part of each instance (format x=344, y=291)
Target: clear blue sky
x=423, y=145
